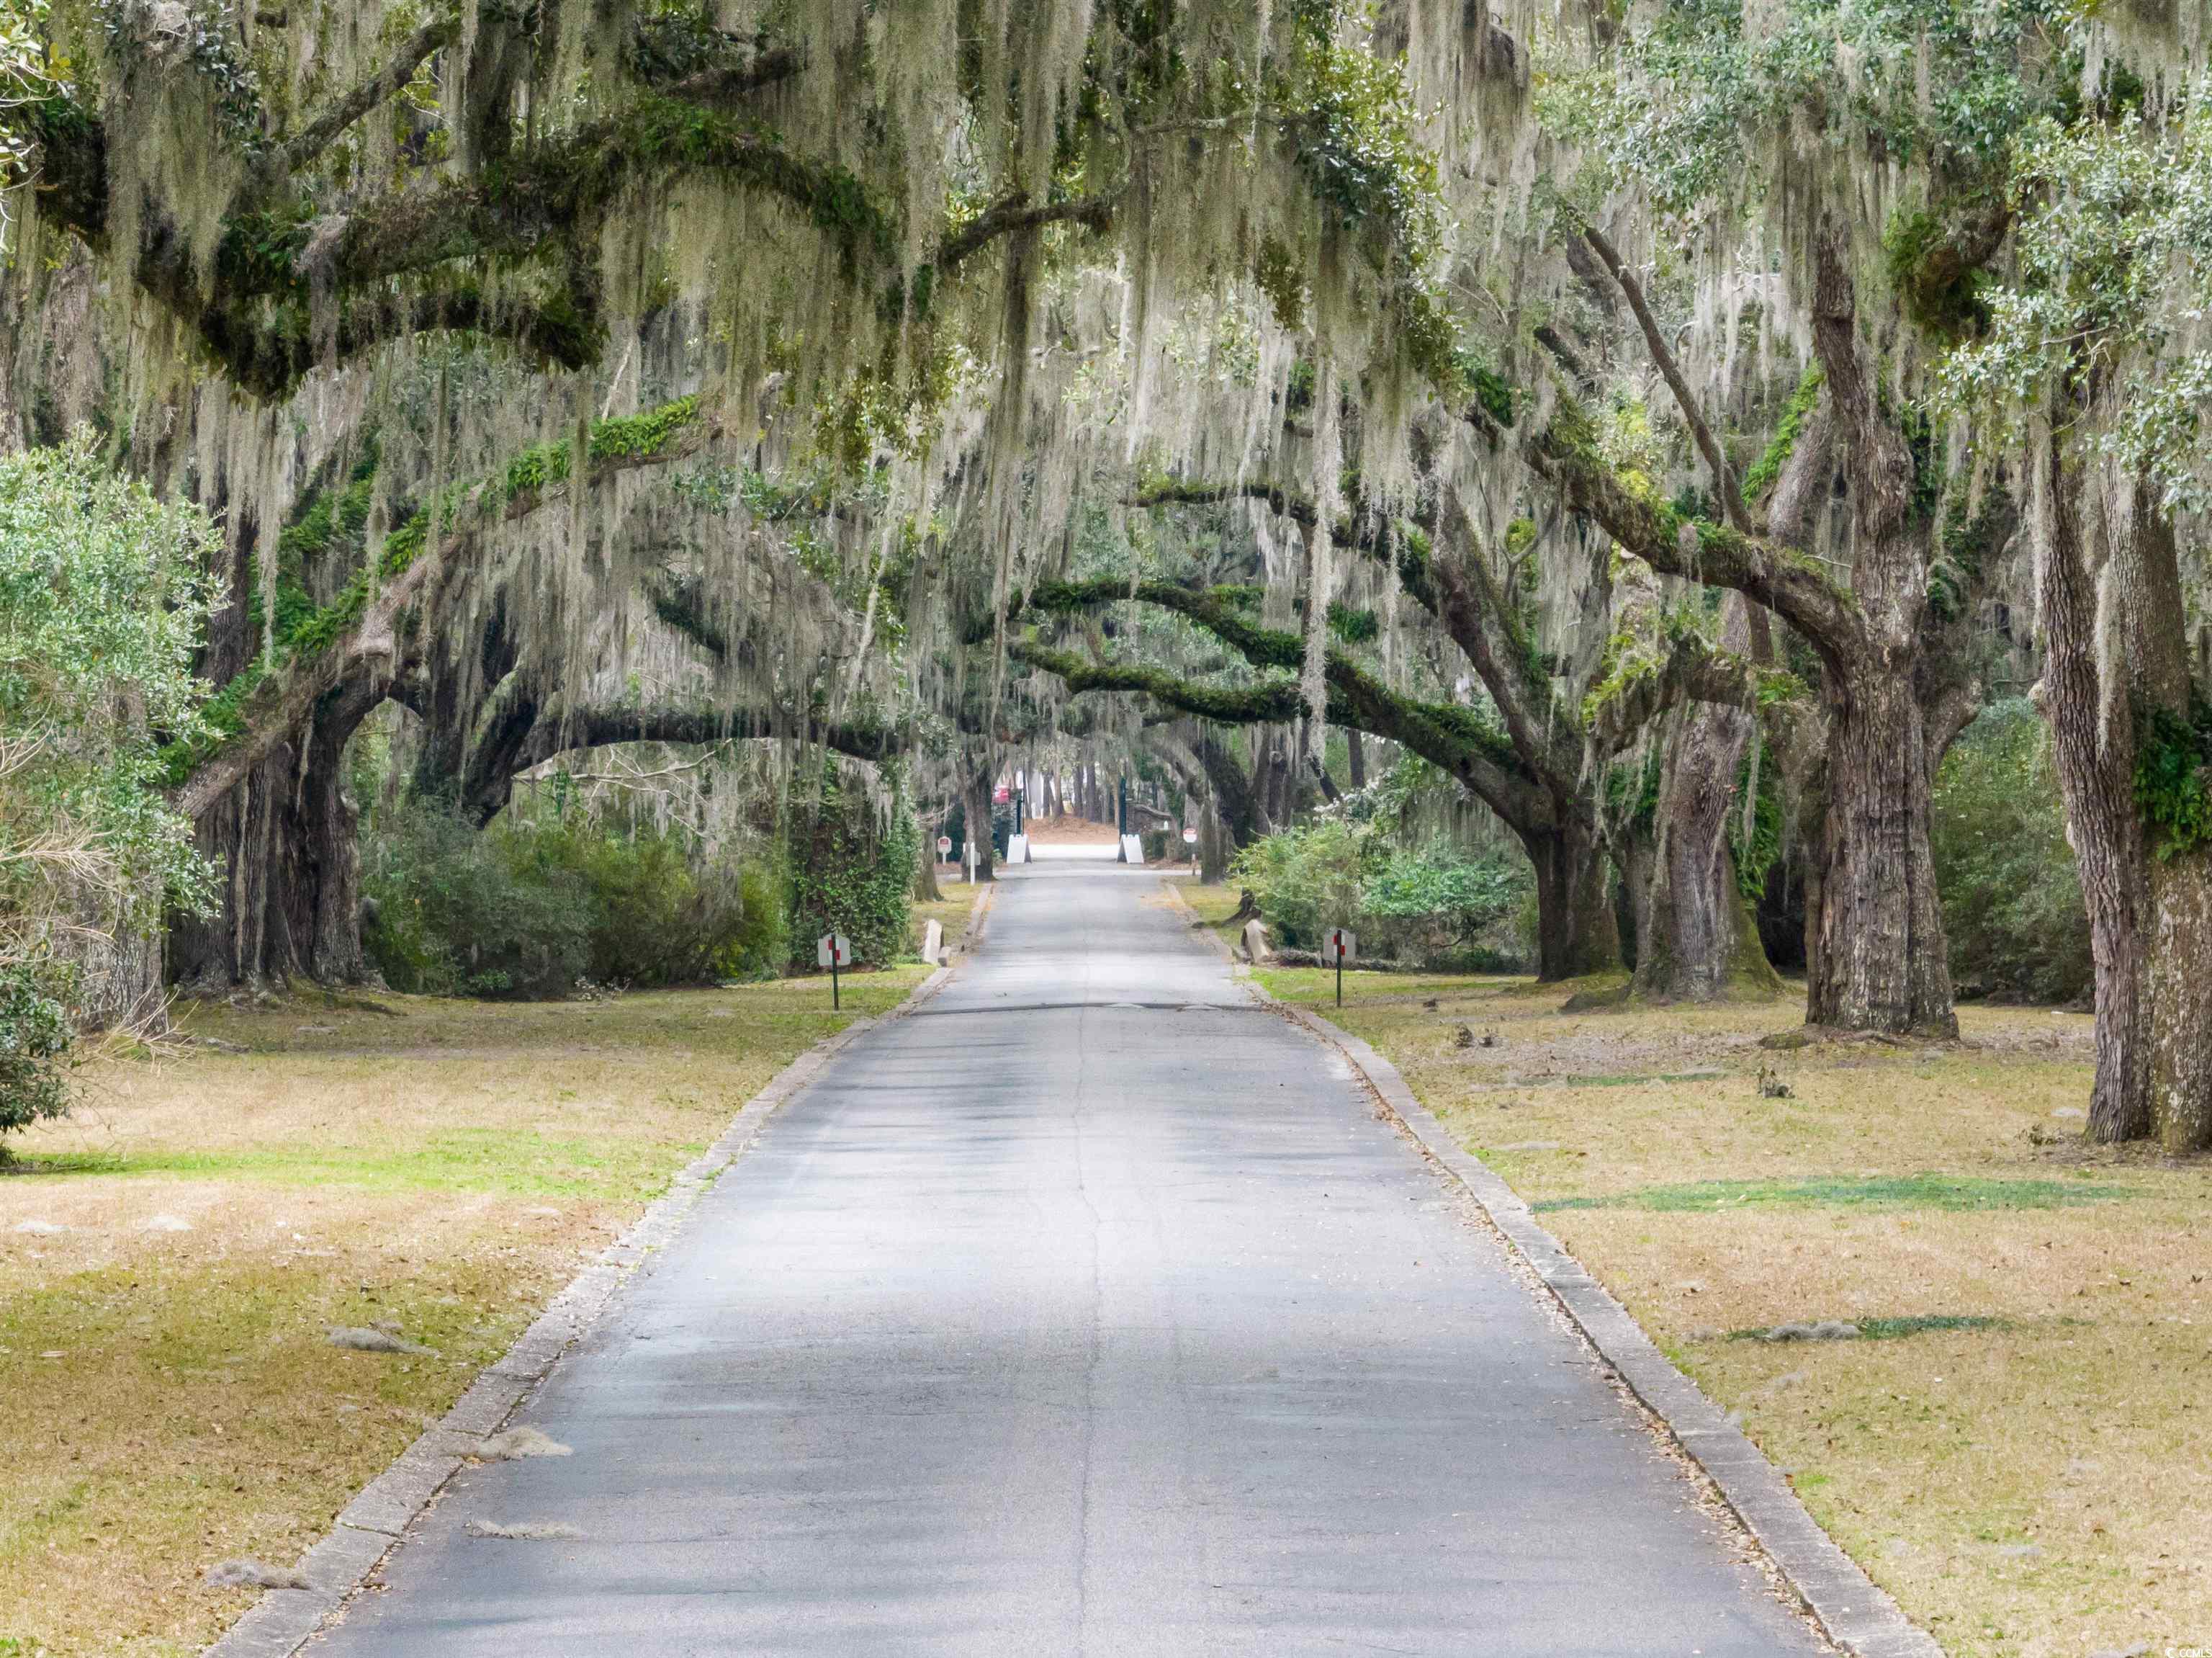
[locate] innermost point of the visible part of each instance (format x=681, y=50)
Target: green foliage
x=851, y=872
x=1433, y=904
x=103, y=603
x=2011, y=898
x=1937, y=288
x=1766, y=471
x=2172, y=758
x=543, y=901
x=1355, y=133
x=1756, y=856
x=35, y=1036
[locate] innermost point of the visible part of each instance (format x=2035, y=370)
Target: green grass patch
x=1917, y=1323
x=1940, y=1191
x=497, y=1162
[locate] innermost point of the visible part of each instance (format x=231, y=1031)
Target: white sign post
x=944, y=847
x=831, y=951
x=1340, y=947
x=1190, y=839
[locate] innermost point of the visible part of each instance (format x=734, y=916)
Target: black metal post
x=1340, y=973
x=835, y=1003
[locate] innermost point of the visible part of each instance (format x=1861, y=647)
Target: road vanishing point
x=1090, y=1308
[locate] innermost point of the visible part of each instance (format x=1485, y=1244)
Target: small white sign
x=1190, y=837
x=944, y=846
x=831, y=950
x=1341, y=945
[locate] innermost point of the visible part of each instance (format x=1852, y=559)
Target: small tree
x=103, y=597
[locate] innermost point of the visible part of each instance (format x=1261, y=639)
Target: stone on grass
x=164, y=1224
x=2069, y=1111
x=517, y=1443
x=2140, y=1649
x=932, y=944
x=2021, y=1551
x=521, y=1531
x=1255, y=943
x=247, y=1573
x=370, y=1339
x=40, y=1228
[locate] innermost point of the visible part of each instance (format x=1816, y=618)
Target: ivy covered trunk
x=1576, y=931
x=1697, y=938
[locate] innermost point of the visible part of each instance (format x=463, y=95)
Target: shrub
x=457, y=912
x=2012, y=896
x=1433, y=905
x=104, y=599
x=536, y=903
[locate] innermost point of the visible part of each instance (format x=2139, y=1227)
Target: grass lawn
x=2019, y=1444
x=171, y=1399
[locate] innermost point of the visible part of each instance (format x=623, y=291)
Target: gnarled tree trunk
x=1696, y=939
x=1576, y=932
x=285, y=844
x=1880, y=962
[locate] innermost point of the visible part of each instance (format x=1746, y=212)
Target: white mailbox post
x=1340, y=947
x=832, y=951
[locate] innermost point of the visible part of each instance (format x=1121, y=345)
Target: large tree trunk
x=926, y=889
x=1355, y=754
x=2150, y=918
x=1576, y=932
x=975, y=810
x=286, y=847
x=1696, y=937
x=1879, y=961
x=2093, y=741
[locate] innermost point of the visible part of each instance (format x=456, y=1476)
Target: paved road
x=1089, y=1310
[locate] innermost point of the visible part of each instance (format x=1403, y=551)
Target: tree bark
x=2150, y=916
x=286, y=844
x=2093, y=741
x=1576, y=932
x=1355, y=758
x=1696, y=937
x=926, y=889
x=1880, y=963
x=975, y=809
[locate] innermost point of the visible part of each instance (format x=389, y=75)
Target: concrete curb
x=372, y=1524
x=1849, y=1610
x=1859, y=1618
x=979, y=917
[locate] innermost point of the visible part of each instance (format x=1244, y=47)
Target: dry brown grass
x=171, y=1399
x=2036, y=1486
